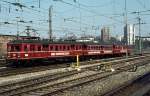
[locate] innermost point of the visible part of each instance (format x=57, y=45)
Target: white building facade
x=105, y=34
x=129, y=34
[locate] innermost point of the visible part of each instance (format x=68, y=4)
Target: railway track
x=49, y=85
x=147, y=94
x=137, y=87
x=9, y=71
x=9, y=89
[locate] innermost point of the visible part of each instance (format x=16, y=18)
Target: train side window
x=96, y=47
x=76, y=47
x=64, y=47
x=56, y=48
x=51, y=48
x=72, y=46
x=84, y=46
x=99, y=47
x=15, y=48
x=45, y=47
x=68, y=47
x=25, y=48
x=32, y=48
x=39, y=48
x=60, y=47
x=88, y=48
x=102, y=48
x=93, y=47
x=12, y=48
x=79, y=47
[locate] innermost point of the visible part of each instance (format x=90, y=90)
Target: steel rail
x=84, y=80
x=15, y=71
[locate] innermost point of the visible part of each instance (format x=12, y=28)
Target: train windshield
x=14, y=48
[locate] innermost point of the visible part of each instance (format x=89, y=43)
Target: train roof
x=47, y=42
x=54, y=42
x=41, y=42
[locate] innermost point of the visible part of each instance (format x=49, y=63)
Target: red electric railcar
x=25, y=51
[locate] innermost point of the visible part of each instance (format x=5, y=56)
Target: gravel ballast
x=101, y=86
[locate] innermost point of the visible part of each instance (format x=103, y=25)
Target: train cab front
x=13, y=54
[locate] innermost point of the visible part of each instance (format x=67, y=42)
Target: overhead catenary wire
x=61, y=15
x=92, y=11
x=67, y=3
x=102, y=5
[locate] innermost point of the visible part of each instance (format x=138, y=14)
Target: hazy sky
x=73, y=17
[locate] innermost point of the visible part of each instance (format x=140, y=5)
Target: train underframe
x=58, y=60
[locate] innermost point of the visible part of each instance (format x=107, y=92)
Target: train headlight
x=26, y=55
x=18, y=55
x=14, y=55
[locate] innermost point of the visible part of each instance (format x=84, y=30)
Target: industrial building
x=105, y=34
x=129, y=34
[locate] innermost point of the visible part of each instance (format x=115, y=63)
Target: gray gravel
x=99, y=87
